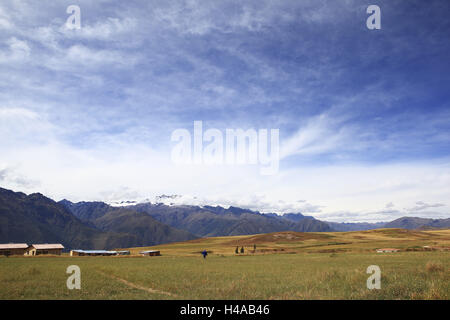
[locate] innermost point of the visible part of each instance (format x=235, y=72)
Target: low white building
x=387, y=250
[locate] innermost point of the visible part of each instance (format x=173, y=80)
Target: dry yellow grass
x=286, y=265
x=434, y=267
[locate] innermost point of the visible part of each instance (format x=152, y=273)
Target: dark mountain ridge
x=418, y=223
x=38, y=219
x=208, y=221
x=121, y=219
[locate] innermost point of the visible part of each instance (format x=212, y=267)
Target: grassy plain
x=286, y=265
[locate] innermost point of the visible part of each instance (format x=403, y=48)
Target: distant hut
x=74, y=253
x=387, y=250
x=429, y=248
x=150, y=253
x=45, y=248
x=10, y=249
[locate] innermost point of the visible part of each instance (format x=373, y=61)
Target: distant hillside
x=418, y=223
x=311, y=242
x=358, y=226
x=410, y=223
x=37, y=219
x=211, y=221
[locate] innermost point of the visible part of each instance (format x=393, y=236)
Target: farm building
x=429, y=248
x=387, y=250
x=9, y=249
x=92, y=253
x=98, y=253
x=45, y=248
x=150, y=253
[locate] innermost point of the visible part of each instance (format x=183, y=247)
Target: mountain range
x=418, y=223
x=209, y=221
x=38, y=219
x=35, y=218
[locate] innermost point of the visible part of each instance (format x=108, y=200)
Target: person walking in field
x=237, y=250
x=204, y=253
x=242, y=250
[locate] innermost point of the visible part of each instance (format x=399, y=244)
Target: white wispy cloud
x=319, y=135
x=17, y=52
x=420, y=206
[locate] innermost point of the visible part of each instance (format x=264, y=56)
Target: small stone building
x=9, y=249
x=45, y=248
x=387, y=250
x=150, y=253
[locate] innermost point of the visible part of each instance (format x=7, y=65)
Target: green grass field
x=285, y=266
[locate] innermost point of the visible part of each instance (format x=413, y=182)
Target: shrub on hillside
x=434, y=267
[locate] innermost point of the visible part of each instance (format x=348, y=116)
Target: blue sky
x=364, y=115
